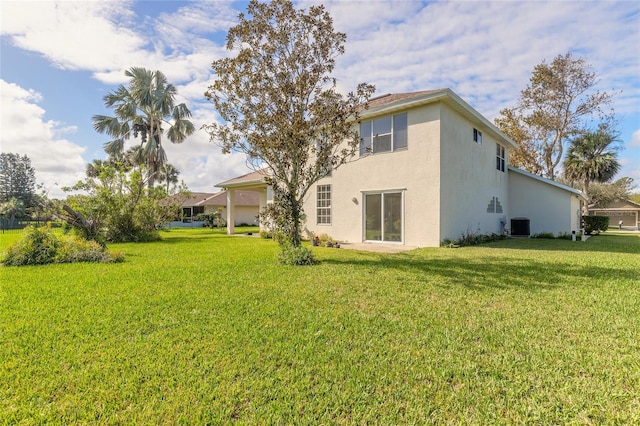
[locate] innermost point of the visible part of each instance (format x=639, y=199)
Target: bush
x=471, y=239
x=39, y=246
x=595, y=224
x=544, y=235
x=212, y=220
x=266, y=234
x=296, y=256
x=567, y=236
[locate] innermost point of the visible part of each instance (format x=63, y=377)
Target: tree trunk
x=585, y=190
x=88, y=228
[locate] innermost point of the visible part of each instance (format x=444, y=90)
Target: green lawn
x=205, y=328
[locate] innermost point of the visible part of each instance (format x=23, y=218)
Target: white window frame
x=366, y=150
x=477, y=136
x=323, y=204
x=501, y=157
x=402, y=215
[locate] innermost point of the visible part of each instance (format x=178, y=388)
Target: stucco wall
x=243, y=214
x=415, y=171
x=471, y=183
x=548, y=208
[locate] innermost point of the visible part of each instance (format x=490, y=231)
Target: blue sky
x=58, y=60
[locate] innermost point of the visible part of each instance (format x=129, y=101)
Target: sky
x=58, y=59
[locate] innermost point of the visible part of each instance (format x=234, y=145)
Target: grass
x=205, y=328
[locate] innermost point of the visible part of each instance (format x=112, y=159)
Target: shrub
x=39, y=246
x=471, y=239
x=595, y=224
x=291, y=255
x=567, y=236
x=266, y=234
x=544, y=235
x=212, y=220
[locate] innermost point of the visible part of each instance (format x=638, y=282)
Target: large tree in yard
x=280, y=104
x=552, y=109
x=146, y=108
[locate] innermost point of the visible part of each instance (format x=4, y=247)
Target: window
x=500, y=156
x=477, y=136
x=383, y=216
x=383, y=134
x=323, y=205
x=399, y=131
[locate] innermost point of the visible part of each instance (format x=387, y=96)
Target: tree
x=116, y=207
x=141, y=110
x=551, y=110
x=592, y=157
x=169, y=175
x=603, y=194
x=12, y=209
x=280, y=104
x=17, y=180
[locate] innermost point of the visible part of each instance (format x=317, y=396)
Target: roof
x=250, y=179
x=196, y=198
x=627, y=205
x=219, y=199
x=548, y=182
x=242, y=199
x=391, y=98
x=396, y=102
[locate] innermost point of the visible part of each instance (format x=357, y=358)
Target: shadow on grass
x=483, y=272
x=607, y=243
x=190, y=239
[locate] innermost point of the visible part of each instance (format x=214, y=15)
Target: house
x=245, y=208
x=430, y=168
x=626, y=211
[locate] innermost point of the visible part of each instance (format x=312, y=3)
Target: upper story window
x=500, y=157
x=383, y=134
x=477, y=136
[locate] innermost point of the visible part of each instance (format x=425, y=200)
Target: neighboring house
x=626, y=211
x=430, y=168
x=245, y=207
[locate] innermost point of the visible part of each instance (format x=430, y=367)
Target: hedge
x=595, y=224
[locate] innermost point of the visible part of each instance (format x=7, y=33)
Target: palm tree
x=592, y=157
x=141, y=110
x=169, y=174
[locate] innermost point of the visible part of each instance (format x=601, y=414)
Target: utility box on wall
x=520, y=227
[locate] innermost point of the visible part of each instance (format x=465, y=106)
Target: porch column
x=231, y=211
x=262, y=205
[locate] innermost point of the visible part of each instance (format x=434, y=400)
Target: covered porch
x=252, y=182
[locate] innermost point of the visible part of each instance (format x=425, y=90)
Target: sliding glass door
x=383, y=216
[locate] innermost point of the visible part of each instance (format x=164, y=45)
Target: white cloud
x=635, y=139
x=57, y=161
x=201, y=162
x=485, y=51
x=74, y=35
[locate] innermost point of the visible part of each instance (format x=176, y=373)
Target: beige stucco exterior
x=447, y=180
x=549, y=206
x=449, y=183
